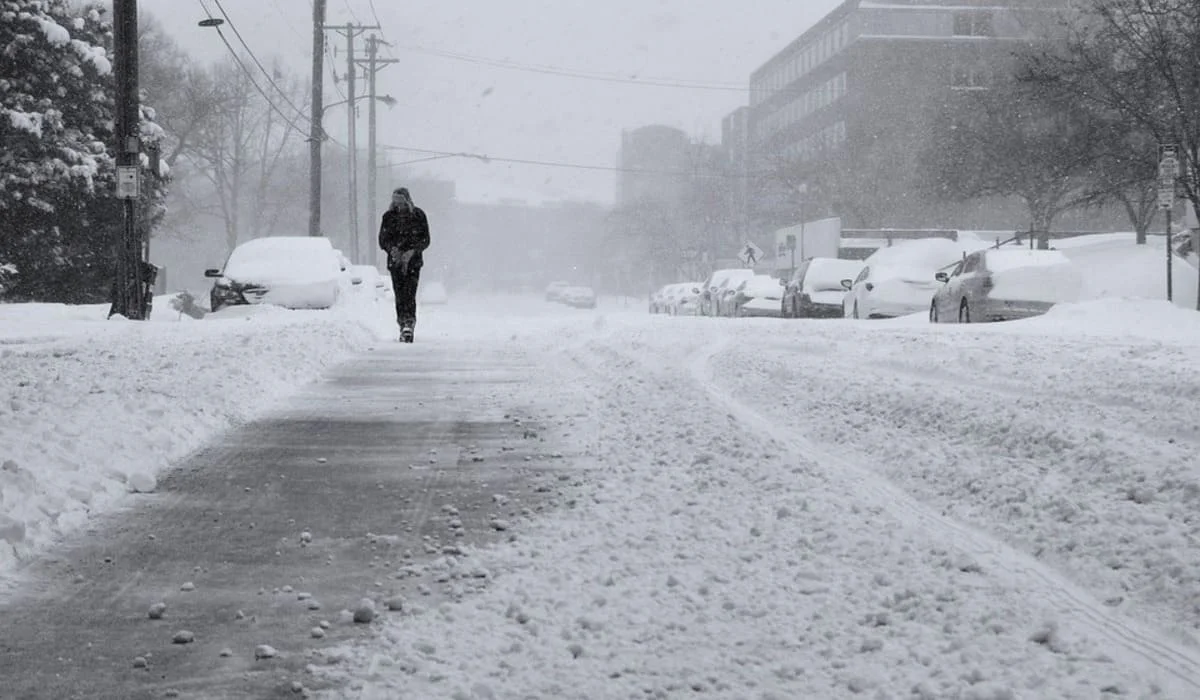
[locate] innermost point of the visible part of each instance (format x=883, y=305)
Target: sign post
x=1168, y=172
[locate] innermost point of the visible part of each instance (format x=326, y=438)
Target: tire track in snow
x=1176, y=666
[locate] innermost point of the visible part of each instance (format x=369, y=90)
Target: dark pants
x=405, y=287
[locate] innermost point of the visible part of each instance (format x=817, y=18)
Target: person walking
x=404, y=236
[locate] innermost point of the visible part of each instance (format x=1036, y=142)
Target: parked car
x=1004, y=284
x=295, y=272
x=432, y=292
x=371, y=281
x=815, y=289
x=715, y=286
x=899, y=280
x=659, y=299
x=555, y=289
x=579, y=297
x=686, y=301
x=758, y=296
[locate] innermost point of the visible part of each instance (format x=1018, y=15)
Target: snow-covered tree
x=59, y=217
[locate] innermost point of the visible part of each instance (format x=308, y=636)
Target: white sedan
x=899, y=280
x=295, y=272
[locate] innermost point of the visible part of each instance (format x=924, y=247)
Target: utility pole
x=373, y=64
x=351, y=31
x=316, y=136
x=129, y=293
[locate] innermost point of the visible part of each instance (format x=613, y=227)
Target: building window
x=974, y=23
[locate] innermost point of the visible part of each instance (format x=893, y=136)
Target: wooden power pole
x=351, y=31
x=373, y=64
x=129, y=286
x=316, y=136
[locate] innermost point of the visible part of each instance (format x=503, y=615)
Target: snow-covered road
x=734, y=534
x=760, y=508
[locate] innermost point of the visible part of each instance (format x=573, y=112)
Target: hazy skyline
x=468, y=106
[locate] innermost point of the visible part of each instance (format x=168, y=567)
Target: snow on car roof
x=1008, y=259
x=283, y=258
x=826, y=274
x=925, y=253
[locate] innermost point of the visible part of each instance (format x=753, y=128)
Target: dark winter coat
x=404, y=230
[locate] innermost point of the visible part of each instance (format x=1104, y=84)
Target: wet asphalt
x=397, y=457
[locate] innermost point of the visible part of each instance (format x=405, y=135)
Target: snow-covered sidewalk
x=730, y=537
x=91, y=410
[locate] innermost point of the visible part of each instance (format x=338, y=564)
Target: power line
x=258, y=63
x=250, y=76
x=436, y=155
x=567, y=73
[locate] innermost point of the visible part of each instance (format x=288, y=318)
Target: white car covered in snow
x=1003, y=284
x=761, y=295
x=899, y=280
x=372, y=283
x=295, y=272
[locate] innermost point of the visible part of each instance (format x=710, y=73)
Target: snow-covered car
x=295, y=272
x=686, y=301
x=899, y=280
x=579, y=297
x=816, y=291
x=371, y=281
x=716, y=285
x=433, y=293
x=1005, y=284
x=658, y=300
x=555, y=289
x=761, y=295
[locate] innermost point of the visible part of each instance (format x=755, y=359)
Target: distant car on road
x=295, y=272
x=1003, y=285
x=579, y=297
x=555, y=289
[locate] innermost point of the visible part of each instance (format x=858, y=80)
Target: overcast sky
x=452, y=105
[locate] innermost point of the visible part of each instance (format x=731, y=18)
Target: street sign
x=750, y=254
x=1168, y=171
x=128, y=182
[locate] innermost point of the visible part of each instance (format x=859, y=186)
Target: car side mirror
x=212, y=273
x=847, y=284
x=942, y=277
x=869, y=286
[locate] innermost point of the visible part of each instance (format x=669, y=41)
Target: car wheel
x=856, y=310
x=964, y=312
x=933, y=314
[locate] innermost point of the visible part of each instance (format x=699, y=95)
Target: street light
x=386, y=99
x=211, y=22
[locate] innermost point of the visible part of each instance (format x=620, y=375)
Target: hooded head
x=401, y=198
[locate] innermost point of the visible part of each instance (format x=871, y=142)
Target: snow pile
x=703, y=553
x=91, y=410
x=1113, y=265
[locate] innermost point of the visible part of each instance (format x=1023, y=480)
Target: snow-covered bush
x=57, y=175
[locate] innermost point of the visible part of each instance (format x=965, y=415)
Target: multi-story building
x=860, y=89
x=648, y=162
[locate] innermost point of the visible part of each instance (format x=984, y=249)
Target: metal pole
x=352, y=156
x=317, y=134
x=372, y=55
x=1169, y=259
